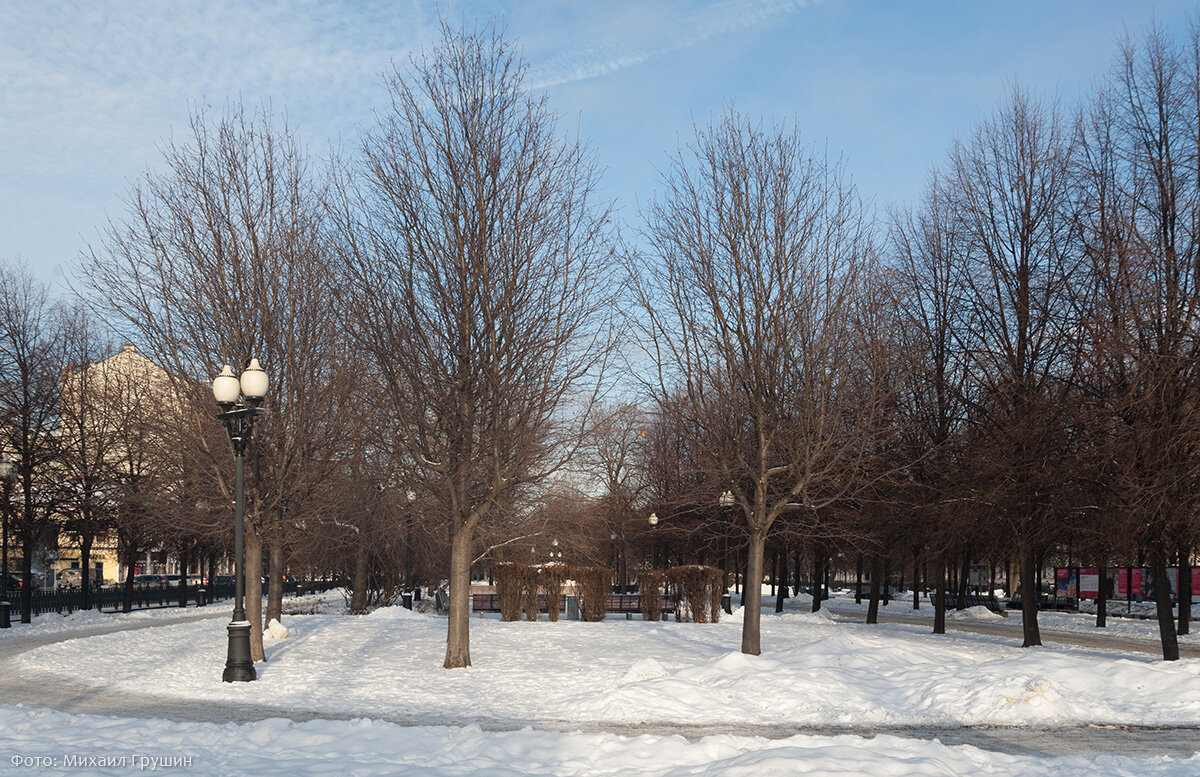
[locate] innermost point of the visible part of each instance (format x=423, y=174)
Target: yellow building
x=107, y=437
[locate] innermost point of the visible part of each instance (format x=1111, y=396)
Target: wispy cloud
x=661, y=33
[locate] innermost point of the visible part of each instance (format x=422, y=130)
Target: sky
x=89, y=90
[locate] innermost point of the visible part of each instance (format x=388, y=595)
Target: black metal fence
x=112, y=598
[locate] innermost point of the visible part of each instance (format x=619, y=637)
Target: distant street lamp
x=613, y=561
x=411, y=496
x=653, y=521
x=6, y=477
x=239, y=399
x=726, y=502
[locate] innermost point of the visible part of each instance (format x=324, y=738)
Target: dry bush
x=650, y=583
x=553, y=576
x=529, y=591
x=698, y=588
x=509, y=591
x=591, y=589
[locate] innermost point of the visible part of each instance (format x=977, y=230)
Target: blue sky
x=87, y=89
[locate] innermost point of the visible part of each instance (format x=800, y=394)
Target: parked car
x=15, y=582
x=171, y=580
x=149, y=581
x=69, y=578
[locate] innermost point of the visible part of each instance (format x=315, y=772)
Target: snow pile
x=978, y=612
x=645, y=669
x=327, y=748
x=275, y=630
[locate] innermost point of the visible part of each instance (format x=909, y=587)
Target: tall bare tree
x=928, y=253
x=476, y=258
x=220, y=258
x=747, y=299
x=1142, y=194
x=1012, y=197
x=32, y=345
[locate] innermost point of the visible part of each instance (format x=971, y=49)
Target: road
x=41, y=691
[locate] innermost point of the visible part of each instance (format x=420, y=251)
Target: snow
x=978, y=613
x=82, y=622
x=322, y=748
x=813, y=671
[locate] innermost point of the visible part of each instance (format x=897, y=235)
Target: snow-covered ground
x=813, y=671
x=89, y=744
x=84, y=621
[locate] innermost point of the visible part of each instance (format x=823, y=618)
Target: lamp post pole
x=653, y=521
x=239, y=413
x=726, y=502
x=412, y=497
x=5, y=605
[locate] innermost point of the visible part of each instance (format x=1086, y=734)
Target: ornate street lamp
x=726, y=503
x=239, y=399
x=411, y=496
x=653, y=521
x=6, y=477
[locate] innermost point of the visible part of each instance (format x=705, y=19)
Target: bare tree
x=746, y=303
x=928, y=252
x=476, y=260
x=1011, y=182
x=89, y=437
x=31, y=357
x=1143, y=239
x=220, y=259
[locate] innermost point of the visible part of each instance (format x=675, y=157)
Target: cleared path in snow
x=18, y=687
x=1011, y=627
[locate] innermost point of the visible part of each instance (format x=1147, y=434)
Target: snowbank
x=813, y=671
x=324, y=748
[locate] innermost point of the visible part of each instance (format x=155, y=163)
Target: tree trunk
x=254, y=607
x=212, y=577
x=964, y=576
x=358, y=599
x=275, y=572
x=798, y=584
x=26, y=577
x=916, y=580
x=886, y=595
x=1185, y=590
x=1029, y=597
x=781, y=583
x=1102, y=597
x=458, y=632
x=1163, y=606
x=858, y=572
x=817, y=580
x=131, y=554
x=876, y=574
x=752, y=596
x=85, y=571
x=939, y=595
x=183, y=576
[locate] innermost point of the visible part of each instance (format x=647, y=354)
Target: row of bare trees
x=1004, y=367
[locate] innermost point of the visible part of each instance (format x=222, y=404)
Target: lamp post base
x=4, y=616
x=238, y=666
x=726, y=603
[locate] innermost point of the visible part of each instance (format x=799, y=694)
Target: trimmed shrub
x=650, y=583
x=553, y=576
x=592, y=585
x=509, y=578
x=529, y=592
x=697, y=591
